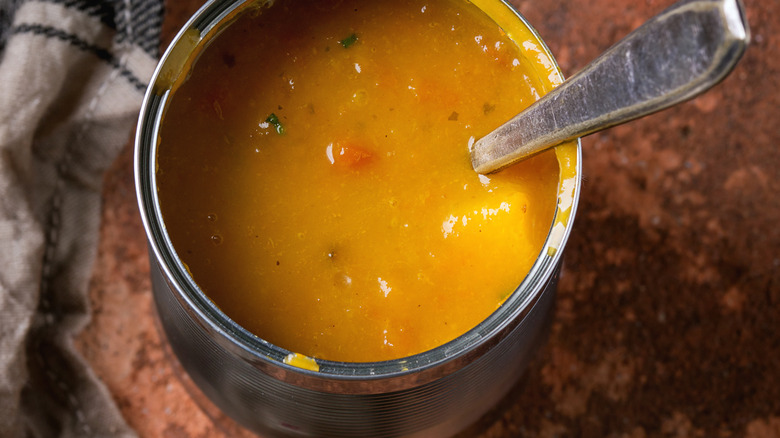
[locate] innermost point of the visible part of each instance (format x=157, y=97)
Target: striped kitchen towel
x=72, y=77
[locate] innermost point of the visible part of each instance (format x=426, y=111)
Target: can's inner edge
x=210, y=20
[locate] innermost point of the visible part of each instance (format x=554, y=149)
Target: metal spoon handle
x=675, y=56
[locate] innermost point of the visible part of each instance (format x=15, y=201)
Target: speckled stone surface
x=668, y=314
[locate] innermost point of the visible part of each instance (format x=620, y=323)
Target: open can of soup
x=273, y=388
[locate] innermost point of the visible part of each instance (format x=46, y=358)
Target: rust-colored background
x=668, y=314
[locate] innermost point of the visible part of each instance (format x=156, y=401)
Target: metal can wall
x=435, y=393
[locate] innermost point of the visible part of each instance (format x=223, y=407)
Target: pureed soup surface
x=314, y=174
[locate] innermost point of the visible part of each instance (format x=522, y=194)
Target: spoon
x=673, y=57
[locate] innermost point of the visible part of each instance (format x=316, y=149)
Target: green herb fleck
x=348, y=41
x=272, y=119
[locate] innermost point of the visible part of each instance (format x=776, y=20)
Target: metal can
x=435, y=393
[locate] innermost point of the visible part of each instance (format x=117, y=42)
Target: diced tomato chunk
x=348, y=155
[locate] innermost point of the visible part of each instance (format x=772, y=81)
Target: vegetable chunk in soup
x=314, y=174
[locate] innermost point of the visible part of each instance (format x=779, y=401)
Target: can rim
x=437, y=362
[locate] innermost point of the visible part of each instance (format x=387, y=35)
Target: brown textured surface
x=668, y=314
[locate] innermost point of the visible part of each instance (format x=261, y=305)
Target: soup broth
x=314, y=176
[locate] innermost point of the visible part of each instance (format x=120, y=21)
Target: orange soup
x=314, y=174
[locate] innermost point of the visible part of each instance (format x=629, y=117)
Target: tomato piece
x=348, y=155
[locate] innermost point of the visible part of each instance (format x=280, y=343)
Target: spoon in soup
x=673, y=57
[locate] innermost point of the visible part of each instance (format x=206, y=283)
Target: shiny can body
x=436, y=393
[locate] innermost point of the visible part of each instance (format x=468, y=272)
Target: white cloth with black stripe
x=72, y=75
